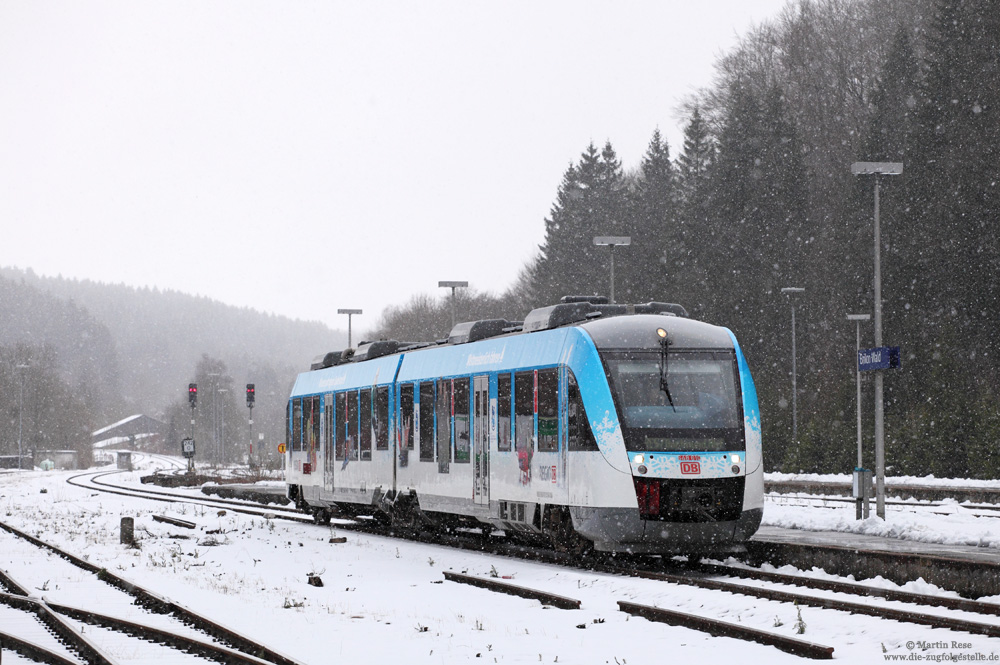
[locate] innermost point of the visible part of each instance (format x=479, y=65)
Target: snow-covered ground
x=385, y=600
x=926, y=481
x=948, y=522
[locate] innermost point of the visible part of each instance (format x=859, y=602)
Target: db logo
x=690, y=468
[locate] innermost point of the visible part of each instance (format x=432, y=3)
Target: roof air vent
x=371, y=350
x=554, y=316
x=329, y=360
x=593, y=300
x=661, y=308
x=471, y=331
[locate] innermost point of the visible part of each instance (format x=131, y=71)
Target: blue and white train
x=627, y=428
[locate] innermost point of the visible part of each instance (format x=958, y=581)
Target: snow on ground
x=844, y=478
x=385, y=600
x=950, y=523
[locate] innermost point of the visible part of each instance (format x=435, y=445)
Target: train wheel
x=321, y=515
x=559, y=526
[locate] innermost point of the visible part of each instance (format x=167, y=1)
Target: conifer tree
x=758, y=237
x=952, y=243
x=694, y=162
x=590, y=202
x=659, y=263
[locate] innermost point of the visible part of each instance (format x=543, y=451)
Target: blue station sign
x=880, y=357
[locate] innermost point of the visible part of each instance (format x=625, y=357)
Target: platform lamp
x=863, y=489
x=453, y=285
x=878, y=169
x=612, y=242
x=791, y=291
x=349, y=313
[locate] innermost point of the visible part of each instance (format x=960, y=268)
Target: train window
x=426, y=421
x=524, y=411
x=503, y=412
x=462, y=420
x=340, y=449
x=306, y=415
x=443, y=411
x=352, y=424
x=548, y=410
x=381, y=418
x=406, y=415
x=314, y=430
x=328, y=431
x=310, y=423
x=295, y=424
x=580, y=436
x=365, y=425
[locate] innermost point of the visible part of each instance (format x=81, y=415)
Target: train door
x=481, y=440
x=328, y=428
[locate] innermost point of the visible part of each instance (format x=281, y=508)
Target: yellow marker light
x=638, y=459
x=661, y=332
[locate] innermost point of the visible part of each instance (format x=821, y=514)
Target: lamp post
x=858, y=318
x=876, y=169
x=453, y=285
x=20, y=409
x=349, y=313
x=612, y=242
x=790, y=291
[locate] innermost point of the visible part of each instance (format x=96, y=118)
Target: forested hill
x=119, y=350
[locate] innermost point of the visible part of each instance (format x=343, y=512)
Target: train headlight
x=736, y=459
x=661, y=332
x=638, y=459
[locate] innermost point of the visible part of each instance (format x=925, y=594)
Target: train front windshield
x=705, y=414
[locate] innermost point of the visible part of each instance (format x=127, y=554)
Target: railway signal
x=193, y=401
x=251, y=396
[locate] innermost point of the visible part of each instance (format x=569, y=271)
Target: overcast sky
x=299, y=157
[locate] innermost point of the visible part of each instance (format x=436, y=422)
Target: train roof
x=639, y=332
x=501, y=345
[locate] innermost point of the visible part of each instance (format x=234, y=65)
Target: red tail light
x=647, y=492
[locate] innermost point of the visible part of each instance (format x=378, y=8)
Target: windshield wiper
x=664, y=356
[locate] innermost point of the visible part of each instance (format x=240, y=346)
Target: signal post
x=187, y=445
x=251, y=397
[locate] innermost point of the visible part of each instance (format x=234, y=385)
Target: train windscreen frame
x=706, y=414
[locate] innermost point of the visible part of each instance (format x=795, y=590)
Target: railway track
x=965, y=616
x=461, y=540
x=93, y=480
x=957, y=615
x=858, y=601
x=84, y=613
